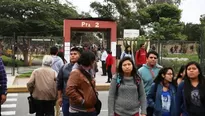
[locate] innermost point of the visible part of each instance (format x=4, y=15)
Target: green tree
x=123, y=11
x=192, y=31
x=164, y=19
x=33, y=18
x=202, y=20
x=174, y=2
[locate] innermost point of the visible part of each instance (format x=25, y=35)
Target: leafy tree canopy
x=193, y=31
x=153, y=13
x=164, y=20
x=34, y=16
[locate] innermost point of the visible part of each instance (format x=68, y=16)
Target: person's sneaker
x=107, y=82
x=103, y=75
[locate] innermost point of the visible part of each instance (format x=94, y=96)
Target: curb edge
x=23, y=89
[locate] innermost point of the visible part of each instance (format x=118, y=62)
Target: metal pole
x=158, y=50
x=13, y=56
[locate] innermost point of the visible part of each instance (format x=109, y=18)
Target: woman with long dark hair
x=126, y=94
x=180, y=75
x=190, y=93
x=127, y=53
x=162, y=95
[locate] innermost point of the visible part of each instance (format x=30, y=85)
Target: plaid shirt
x=3, y=78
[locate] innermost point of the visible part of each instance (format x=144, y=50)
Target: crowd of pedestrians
x=140, y=86
x=156, y=92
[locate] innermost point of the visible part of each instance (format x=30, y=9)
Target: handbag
x=31, y=102
x=98, y=104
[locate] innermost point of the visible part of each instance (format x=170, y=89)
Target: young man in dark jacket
x=63, y=78
x=81, y=87
x=3, y=83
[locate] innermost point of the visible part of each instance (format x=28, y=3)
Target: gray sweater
x=127, y=103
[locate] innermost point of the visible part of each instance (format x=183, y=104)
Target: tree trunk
x=25, y=55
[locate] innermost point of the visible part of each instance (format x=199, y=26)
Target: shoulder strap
x=88, y=76
x=64, y=66
x=138, y=81
x=55, y=61
x=155, y=91
x=138, y=53
x=123, y=54
x=152, y=73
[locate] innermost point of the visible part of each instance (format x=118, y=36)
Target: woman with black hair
x=190, y=93
x=126, y=94
x=180, y=75
x=61, y=55
x=127, y=53
x=162, y=95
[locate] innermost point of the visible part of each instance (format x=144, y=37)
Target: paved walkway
x=100, y=80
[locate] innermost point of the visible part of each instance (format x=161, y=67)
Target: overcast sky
x=192, y=9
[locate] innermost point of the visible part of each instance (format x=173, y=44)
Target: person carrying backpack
x=126, y=94
x=148, y=73
x=127, y=53
x=81, y=88
x=57, y=61
x=190, y=92
x=140, y=56
x=162, y=95
x=62, y=79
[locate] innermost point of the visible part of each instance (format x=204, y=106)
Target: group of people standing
x=140, y=56
x=70, y=86
x=154, y=89
x=107, y=62
x=146, y=89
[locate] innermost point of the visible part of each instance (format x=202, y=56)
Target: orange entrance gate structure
x=90, y=25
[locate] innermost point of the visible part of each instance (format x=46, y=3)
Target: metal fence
x=6, y=51
x=24, y=53
x=202, y=53
x=172, y=53
x=31, y=50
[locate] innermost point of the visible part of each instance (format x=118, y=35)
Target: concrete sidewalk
x=19, y=85
x=10, y=77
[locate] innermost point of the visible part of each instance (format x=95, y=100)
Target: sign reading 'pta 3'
x=86, y=24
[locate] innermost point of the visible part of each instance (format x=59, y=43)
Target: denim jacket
x=181, y=107
x=157, y=103
x=63, y=76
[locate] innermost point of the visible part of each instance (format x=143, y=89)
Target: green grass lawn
x=176, y=64
x=24, y=75
x=191, y=57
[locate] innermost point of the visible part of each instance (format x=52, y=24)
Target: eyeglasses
x=153, y=57
x=169, y=74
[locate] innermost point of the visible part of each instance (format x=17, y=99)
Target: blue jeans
x=65, y=107
x=83, y=114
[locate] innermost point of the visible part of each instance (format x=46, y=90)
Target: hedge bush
x=24, y=75
x=8, y=61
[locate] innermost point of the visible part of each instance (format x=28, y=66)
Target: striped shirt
x=3, y=78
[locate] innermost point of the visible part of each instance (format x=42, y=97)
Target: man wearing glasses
x=149, y=71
